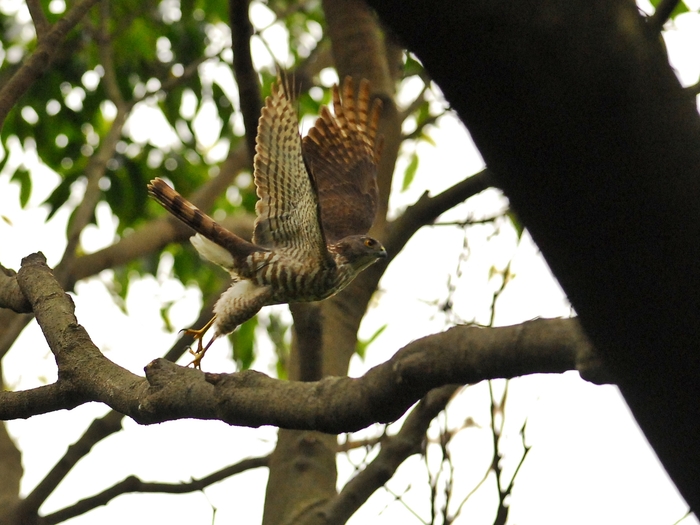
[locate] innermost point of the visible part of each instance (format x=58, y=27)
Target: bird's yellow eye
x=369, y=243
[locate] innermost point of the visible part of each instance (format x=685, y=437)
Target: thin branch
x=41, y=23
x=243, y=70
x=471, y=493
x=395, y=450
x=526, y=451
x=97, y=431
x=427, y=209
x=37, y=63
x=399, y=498
x=104, y=44
x=684, y=517
x=502, y=512
x=133, y=484
x=662, y=14
x=94, y=171
x=470, y=222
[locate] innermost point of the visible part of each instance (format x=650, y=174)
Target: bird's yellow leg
x=199, y=336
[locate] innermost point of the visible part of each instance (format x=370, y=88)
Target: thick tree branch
x=335, y=404
x=341, y=404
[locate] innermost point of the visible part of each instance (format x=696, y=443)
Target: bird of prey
x=317, y=199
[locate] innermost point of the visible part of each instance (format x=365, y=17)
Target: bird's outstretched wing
x=204, y=225
x=342, y=152
x=287, y=210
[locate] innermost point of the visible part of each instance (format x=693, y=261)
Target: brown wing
x=199, y=221
x=342, y=153
x=287, y=208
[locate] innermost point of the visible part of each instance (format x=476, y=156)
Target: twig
x=662, y=14
x=134, y=484
x=394, y=451
x=427, y=209
x=502, y=512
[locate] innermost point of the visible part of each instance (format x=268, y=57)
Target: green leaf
x=224, y=107
x=515, y=221
x=276, y=330
x=361, y=348
x=60, y=195
x=412, y=66
x=243, y=341
x=165, y=316
x=679, y=9
x=119, y=287
x=410, y=172
x=21, y=176
x=427, y=138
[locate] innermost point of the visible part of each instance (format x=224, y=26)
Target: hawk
x=317, y=199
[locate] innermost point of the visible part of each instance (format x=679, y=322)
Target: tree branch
x=134, y=484
x=663, y=12
x=394, y=451
x=86, y=209
x=601, y=191
x=98, y=430
x=167, y=229
x=35, y=65
x=244, y=72
x=10, y=295
x=335, y=404
x=41, y=24
x=427, y=209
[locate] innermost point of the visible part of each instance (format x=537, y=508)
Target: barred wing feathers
x=342, y=152
x=287, y=209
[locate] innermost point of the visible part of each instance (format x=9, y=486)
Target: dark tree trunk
x=575, y=108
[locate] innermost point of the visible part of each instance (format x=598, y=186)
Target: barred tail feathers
x=213, y=241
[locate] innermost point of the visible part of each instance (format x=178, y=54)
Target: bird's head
x=359, y=251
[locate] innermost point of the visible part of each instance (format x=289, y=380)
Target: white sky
x=588, y=463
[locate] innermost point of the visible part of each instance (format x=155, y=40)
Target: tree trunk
x=575, y=108
x=302, y=467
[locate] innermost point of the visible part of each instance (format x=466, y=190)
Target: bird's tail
x=198, y=220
